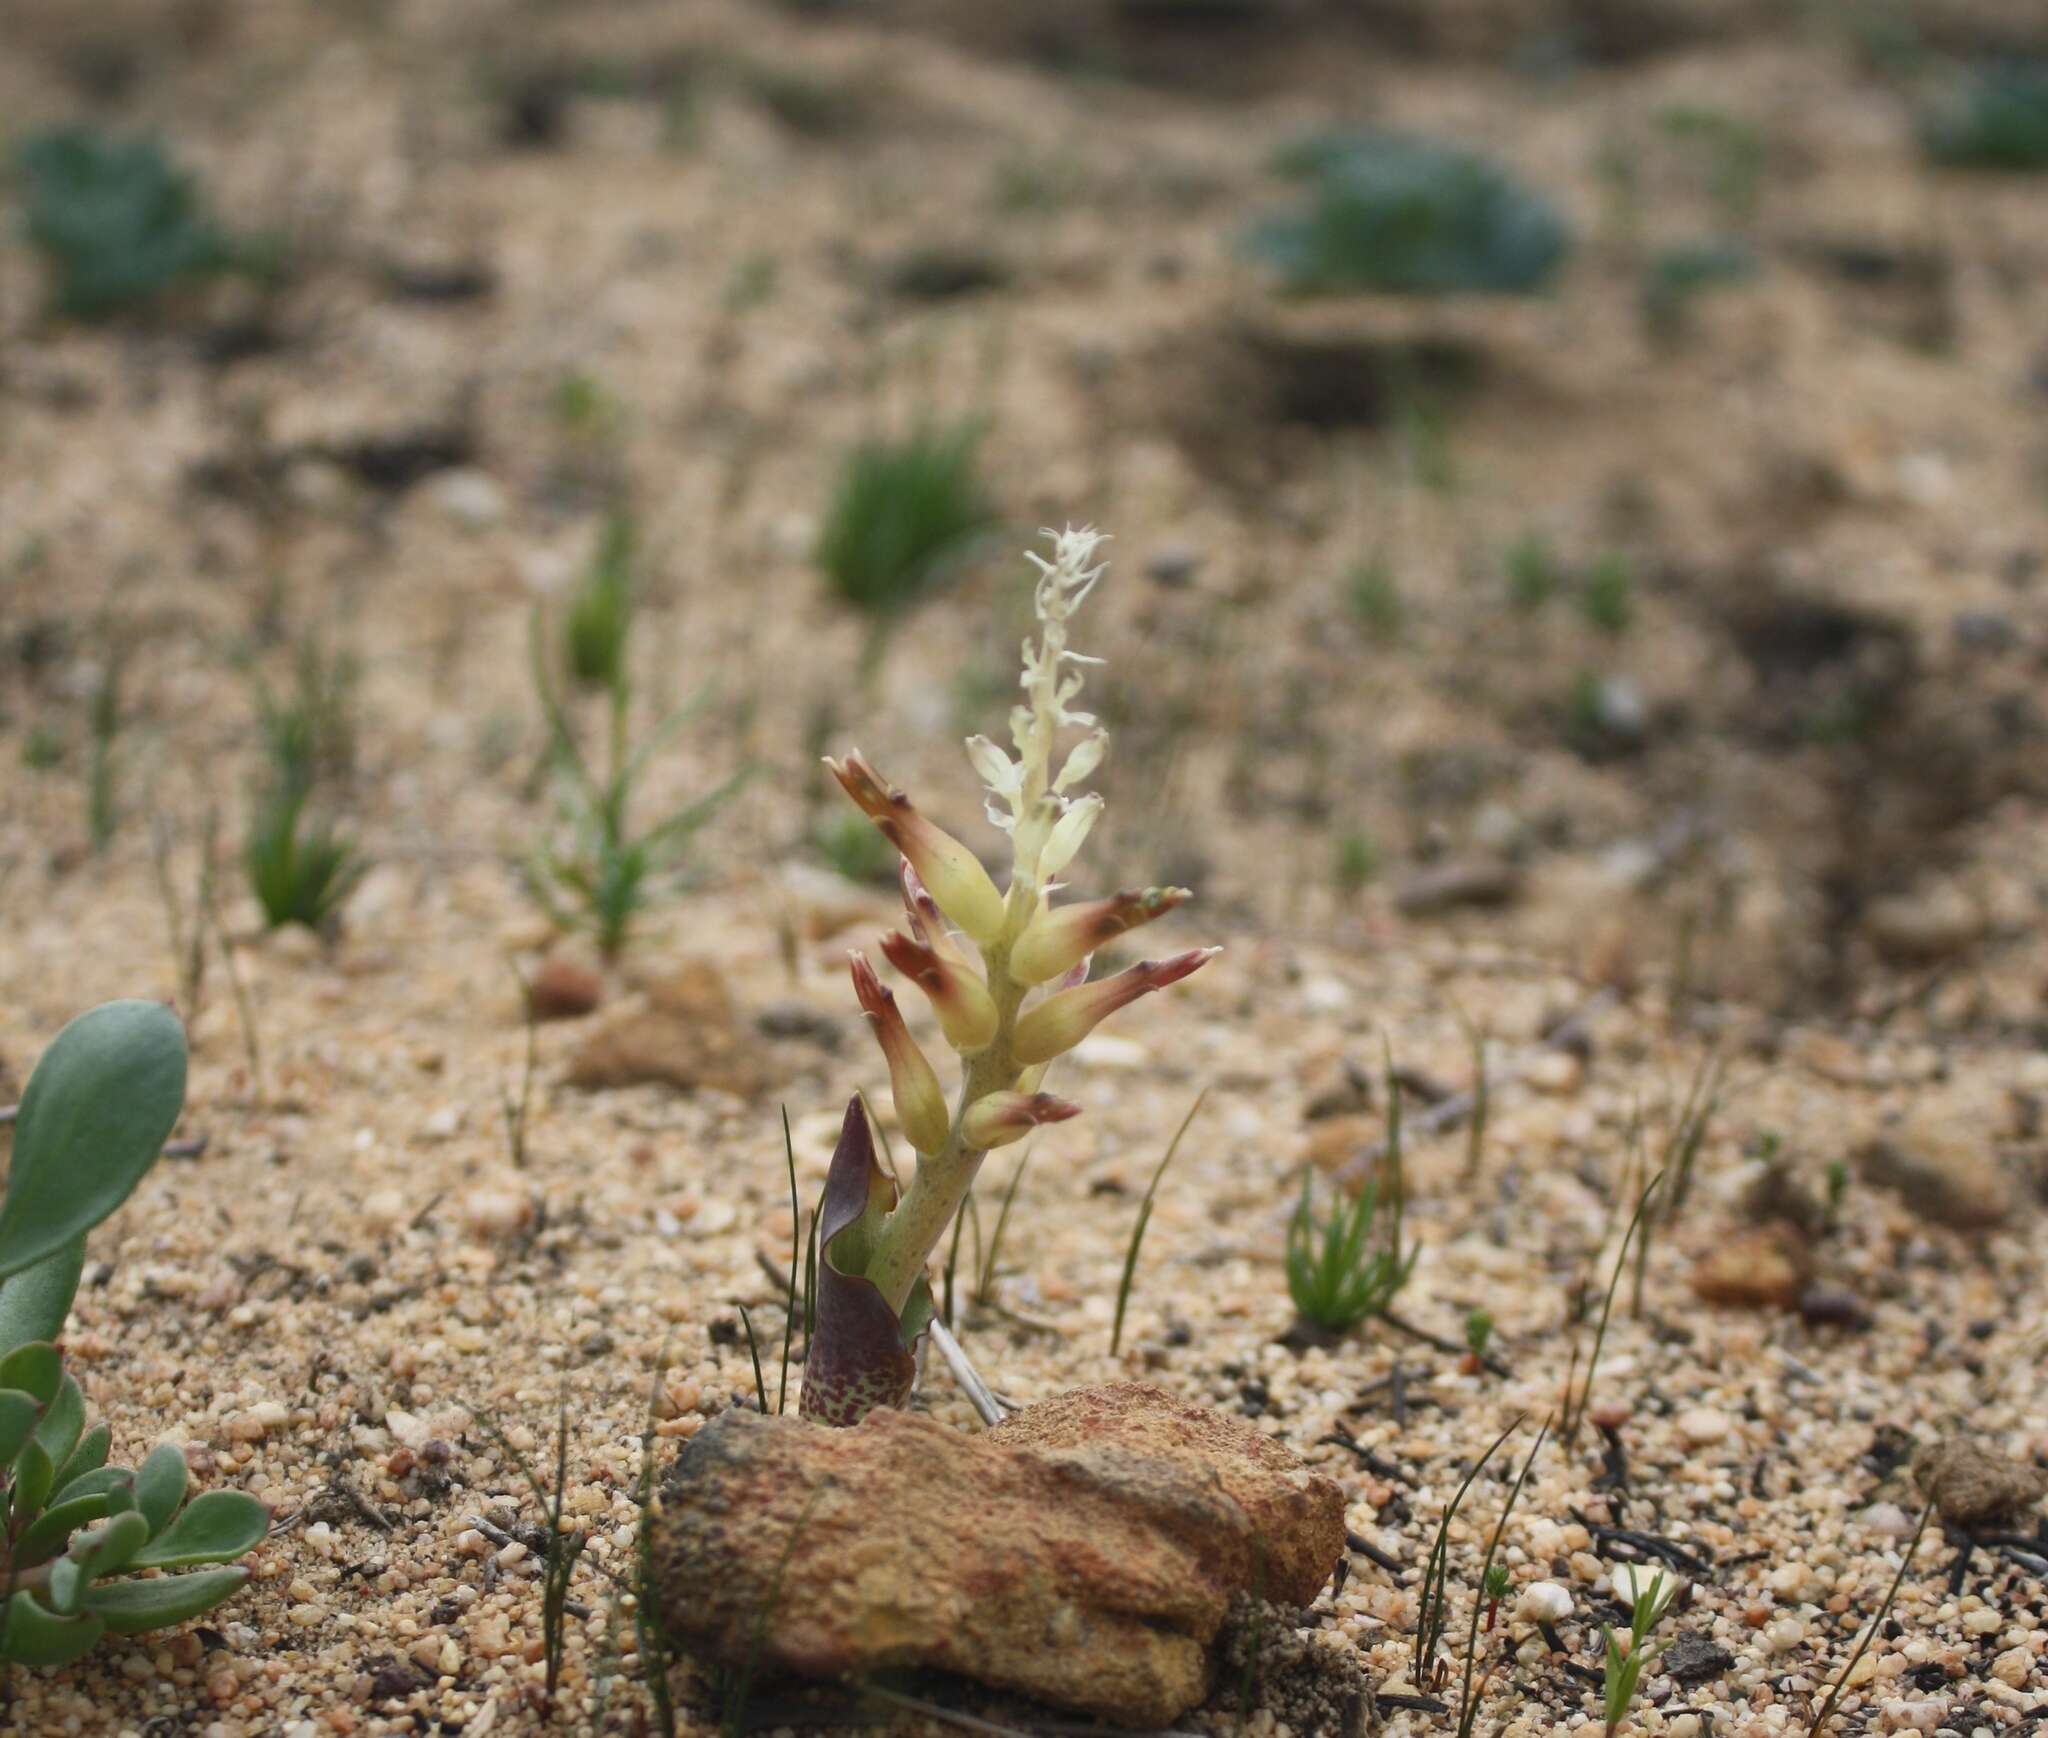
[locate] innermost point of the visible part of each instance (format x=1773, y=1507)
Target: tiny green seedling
x=1338, y=1271
x=301, y=867
x=1997, y=119
x=1478, y=1332
x=1648, y=1593
x=1534, y=572
x=80, y=1534
x=1123, y=1290
x=1607, y=595
x=1358, y=862
x=1373, y=596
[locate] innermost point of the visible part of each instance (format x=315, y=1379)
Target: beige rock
x=681, y=1031
x=1921, y=928
x=1942, y=1172
x=1760, y=1267
x=1972, y=1486
x=1085, y=1552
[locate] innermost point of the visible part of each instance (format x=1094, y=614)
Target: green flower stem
x=911, y=1233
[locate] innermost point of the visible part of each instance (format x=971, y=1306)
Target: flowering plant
x=1008, y=1013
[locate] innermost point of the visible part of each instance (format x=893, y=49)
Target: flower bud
x=953, y=873
x=913, y=1083
x=1061, y=1021
x=967, y=1014
x=1003, y=1117
x=1057, y=940
x=1068, y=834
x=927, y=923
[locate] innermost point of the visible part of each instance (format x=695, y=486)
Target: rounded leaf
x=37, y=1368
x=63, y=1422
x=51, y=1531
x=34, y=1303
x=97, y=1109
x=89, y=1455
x=18, y=1415
x=33, y=1635
x=103, y=1551
x=160, y=1485
x=215, y=1527
x=128, y=1607
x=116, y=1483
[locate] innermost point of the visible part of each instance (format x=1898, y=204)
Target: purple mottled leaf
x=858, y=1358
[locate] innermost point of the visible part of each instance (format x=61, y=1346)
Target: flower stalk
x=1011, y=990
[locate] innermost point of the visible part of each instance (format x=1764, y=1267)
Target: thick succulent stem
x=936, y=1193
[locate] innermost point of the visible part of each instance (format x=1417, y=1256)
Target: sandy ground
x=354, y=1288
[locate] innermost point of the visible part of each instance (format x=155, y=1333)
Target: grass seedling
x=1478, y=1333
x=1430, y=1601
x=1358, y=862
x=1578, y=1397
x=1836, y=1185
x=565, y=1545
x=796, y=1234
x=600, y=876
x=1373, y=596
x=1651, y=1592
x=1827, y=1708
x=650, y=1630
x=985, y=1280
x=1607, y=596
x=1475, y=1128
x=309, y=733
x=514, y=1110
x=754, y=1352
x=301, y=869
x=1123, y=1289
x=901, y=518
x=100, y=806
x=1337, y=1273
x=187, y=929
x=1534, y=575
x=1688, y=1135
x=1493, y=1586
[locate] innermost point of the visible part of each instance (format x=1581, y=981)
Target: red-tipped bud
x=1059, y=938
x=1003, y=1117
x=1061, y=1021
x=966, y=1013
x=958, y=882
x=920, y=1100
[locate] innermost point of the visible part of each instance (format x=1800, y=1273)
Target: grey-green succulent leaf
x=34, y=1303
x=33, y=1635
x=18, y=1415
x=131, y=1606
x=104, y=1551
x=37, y=1369
x=34, y=1478
x=117, y=1482
x=89, y=1455
x=215, y=1527
x=96, y=1111
x=49, y=1533
x=160, y=1485
x=63, y=1423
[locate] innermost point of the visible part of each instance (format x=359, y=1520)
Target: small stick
x=964, y=1373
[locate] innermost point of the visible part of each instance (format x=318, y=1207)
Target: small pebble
x=1704, y=1425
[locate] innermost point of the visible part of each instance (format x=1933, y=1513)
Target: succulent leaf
x=34, y=1478
x=129, y=1607
x=18, y=1415
x=63, y=1423
x=36, y=1369
x=214, y=1527
x=104, y=1551
x=90, y=1455
x=160, y=1485
x=33, y=1635
x=116, y=1482
x=96, y=1111
x=48, y=1534
x=34, y=1303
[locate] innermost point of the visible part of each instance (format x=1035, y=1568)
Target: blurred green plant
x=300, y=866
x=1373, y=596
x=902, y=515
x=1732, y=151
x=1339, y=1272
x=1534, y=573
x=309, y=732
x=1607, y=594
x=1678, y=276
x=1996, y=119
x=599, y=873
x=1407, y=216
x=1358, y=861
x=856, y=850
x=1648, y=1591
x=117, y=222
x=102, y=1099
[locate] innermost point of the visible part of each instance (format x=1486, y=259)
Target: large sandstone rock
x=1973, y=1487
x=1085, y=1552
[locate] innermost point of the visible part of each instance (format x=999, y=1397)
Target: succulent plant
x=90, y=1548
x=1006, y=972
